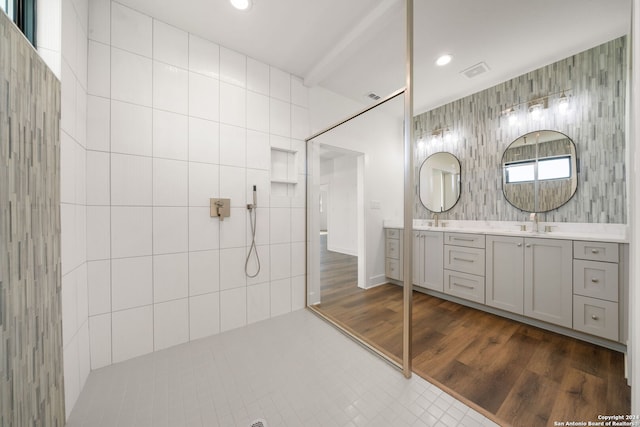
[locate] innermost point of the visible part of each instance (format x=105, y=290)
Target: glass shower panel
x=355, y=185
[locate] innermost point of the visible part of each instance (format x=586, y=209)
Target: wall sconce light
x=511, y=114
x=563, y=103
x=537, y=106
x=439, y=133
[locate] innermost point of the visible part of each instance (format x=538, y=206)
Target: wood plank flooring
x=517, y=374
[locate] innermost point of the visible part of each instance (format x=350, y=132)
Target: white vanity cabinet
x=548, y=292
x=531, y=276
x=464, y=264
x=596, y=289
x=428, y=260
x=393, y=253
x=505, y=273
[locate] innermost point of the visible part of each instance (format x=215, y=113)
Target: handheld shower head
x=255, y=197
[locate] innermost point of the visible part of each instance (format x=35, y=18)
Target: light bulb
x=241, y=4
x=563, y=103
x=444, y=59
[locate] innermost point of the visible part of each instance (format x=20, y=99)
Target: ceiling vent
x=475, y=70
x=373, y=96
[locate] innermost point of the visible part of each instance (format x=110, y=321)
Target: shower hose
x=252, y=221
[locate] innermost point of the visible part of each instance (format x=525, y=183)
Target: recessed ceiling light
x=444, y=59
x=241, y=4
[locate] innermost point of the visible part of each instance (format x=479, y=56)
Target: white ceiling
x=354, y=47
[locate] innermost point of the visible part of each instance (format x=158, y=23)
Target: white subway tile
x=131, y=180
x=67, y=100
x=204, y=272
x=203, y=183
x=204, y=57
x=69, y=38
x=170, y=45
x=204, y=97
x=300, y=122
x=233, y=186
x=233, y=309
x=131, y=231
x=204, y=141
x=258, y=150
x=298, y=224
x=298, y=258
x=100, y=340
x=280, y=225
x=257, y=112
x=258, y=302
x=131, y=282
x=99, y=20
x=265, y=268
x=170, y=182
x=280, y=118
x=204, y=315
x=233, y=229
x=203, y=230
x=99, y=64
x=257, y=76
x=98, y=179
x=98, y=123
x=299, y=93
x=232, y=268
x=131, y=30
x=233, y=143
x=68, y=168
x=170, y=230
x=170, y=277
x=98, y=232
x=170, y=88
x=298, y=290
x=233, y=67
x=280, y=261
x=99, y=280
x=69, y=301
x=280, y=297
x=131, y=77
x=280, y=85
x=171, y=323
x=131, y=129
x=132, y=333
x=170, y=135
x=233, y=105
x=82, y=52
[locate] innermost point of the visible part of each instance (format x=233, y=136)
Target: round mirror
x=440, y=182
x=539, y=171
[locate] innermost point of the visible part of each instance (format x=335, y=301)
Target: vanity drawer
x=393, y=269
x=466, y=260
x=393, y=248
x=467, y=286
x=393, y=233
x=595, y=279
x=464, y=239
x=595, y=317
x=596, y=251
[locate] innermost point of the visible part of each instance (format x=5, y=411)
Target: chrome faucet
x=435, y=219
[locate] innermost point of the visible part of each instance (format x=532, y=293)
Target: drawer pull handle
x=463, y=286
x=463, y=259
x=594, y=251
x=528, y=245
x=594, y=280
x=462, y=239
x=594, y=317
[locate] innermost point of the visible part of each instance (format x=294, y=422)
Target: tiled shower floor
x=292, y=370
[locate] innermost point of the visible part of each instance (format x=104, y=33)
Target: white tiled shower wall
x=70, y=18
x=174, y=120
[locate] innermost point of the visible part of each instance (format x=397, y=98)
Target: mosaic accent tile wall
x=596, y=83
x=31, y=387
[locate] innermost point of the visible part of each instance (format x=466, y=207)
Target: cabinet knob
x=594, y=251
x=594, y=280
x=594, y=317
x=519, y=244
x=528, y=245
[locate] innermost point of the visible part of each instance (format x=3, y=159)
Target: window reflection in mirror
x=539, y=171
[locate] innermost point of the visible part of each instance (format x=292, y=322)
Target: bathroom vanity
x=569, y=281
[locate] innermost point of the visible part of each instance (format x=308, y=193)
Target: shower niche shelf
x=284, y=166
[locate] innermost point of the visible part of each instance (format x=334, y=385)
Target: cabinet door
x=433, y=260
x=548, y=266
x=505, y=273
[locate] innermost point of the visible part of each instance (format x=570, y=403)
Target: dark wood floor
x=517, y=374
